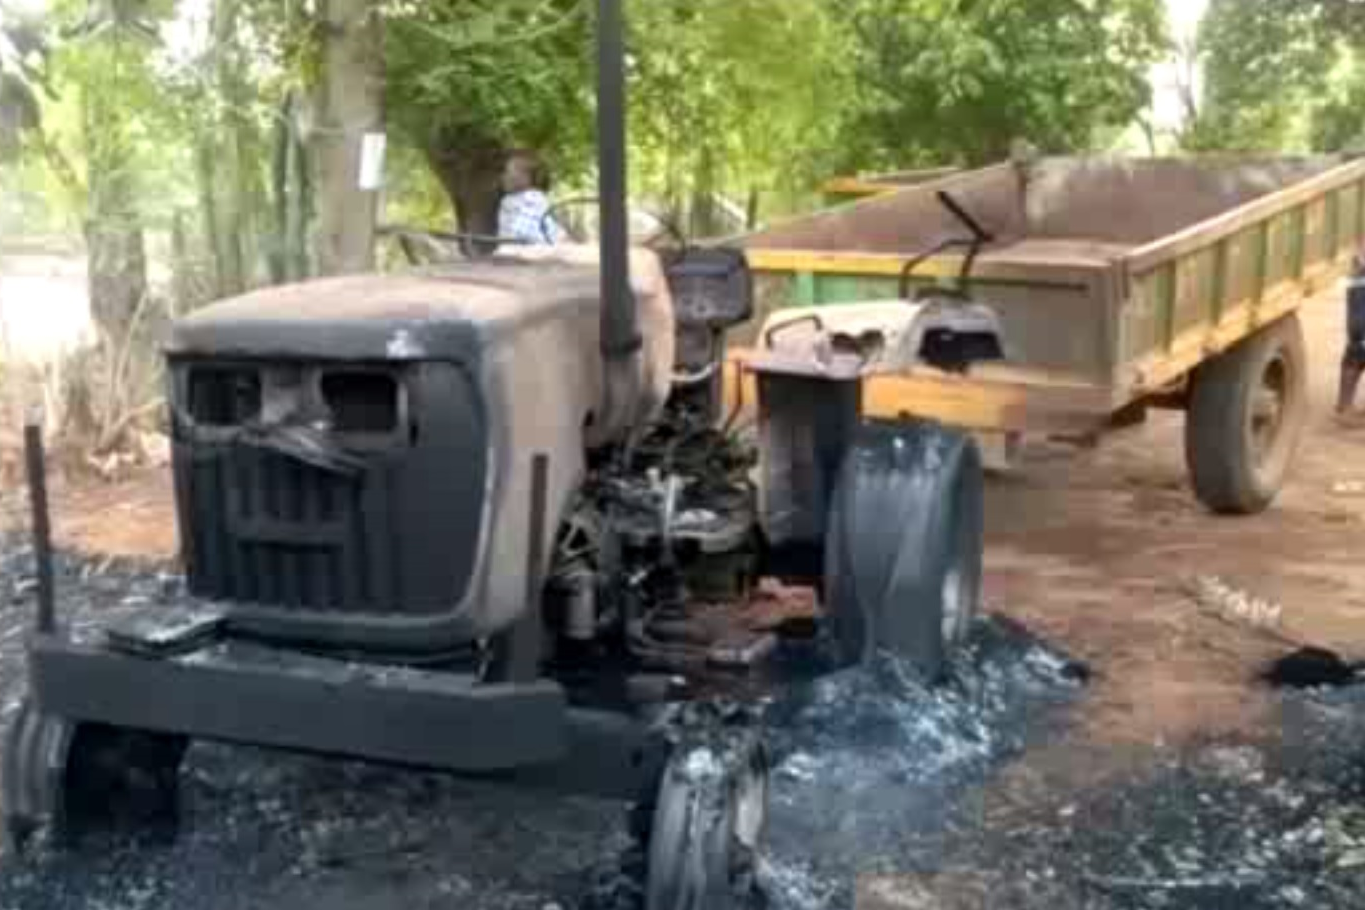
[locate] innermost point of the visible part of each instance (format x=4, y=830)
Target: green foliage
x=494, y=74
x=729, y=98
x=1264, y=61
x=105, y=113
x=1338, y=122
x=1344, y=19
x=958, y=81
x=21, y=81
x=735, y=96
x=719, y=99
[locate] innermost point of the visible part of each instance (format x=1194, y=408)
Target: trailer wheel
x=708, y=822
x=1246, y=417
x=904, y=545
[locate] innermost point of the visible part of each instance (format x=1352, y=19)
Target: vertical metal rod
x=36, y=461
x=620, y=337
x=518, y=650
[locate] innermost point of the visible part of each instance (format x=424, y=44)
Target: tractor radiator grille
x=378, y=516
x=272, y=530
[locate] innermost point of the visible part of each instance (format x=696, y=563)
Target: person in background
x=1353, y=360
x=524, y=214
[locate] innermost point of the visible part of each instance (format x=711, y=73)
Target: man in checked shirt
x=1353, y=361
x=524, y=214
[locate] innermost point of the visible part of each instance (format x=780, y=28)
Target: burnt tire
x=903, y=549
x=123, y=782
x=707, y=826
x=1246, y=416
x=78, y=780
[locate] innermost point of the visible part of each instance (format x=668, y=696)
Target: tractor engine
x=667, y=523
x=399, y=467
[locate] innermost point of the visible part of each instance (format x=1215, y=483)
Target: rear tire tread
x=1222, y=465
x=908, y=511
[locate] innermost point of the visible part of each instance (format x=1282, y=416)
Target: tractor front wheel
x=707, y=826
x=75, y=780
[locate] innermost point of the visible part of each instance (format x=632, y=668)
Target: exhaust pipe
x=620, y=337
x=620, y=340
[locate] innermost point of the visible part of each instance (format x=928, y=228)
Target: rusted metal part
x=745, y=654
x=45, y=619
x=889, y=336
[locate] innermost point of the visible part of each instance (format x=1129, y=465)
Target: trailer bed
x=1115, y=276
x=1115, y=280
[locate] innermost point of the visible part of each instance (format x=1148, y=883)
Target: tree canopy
x=958, y=81
x=1263, y=63
x=21, y=58
x=469, y=79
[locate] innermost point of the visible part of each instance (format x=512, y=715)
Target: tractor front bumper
x=245, y=693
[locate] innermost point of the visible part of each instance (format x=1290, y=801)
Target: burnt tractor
x=489, y=518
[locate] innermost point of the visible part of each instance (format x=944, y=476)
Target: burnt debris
x=1313, y=668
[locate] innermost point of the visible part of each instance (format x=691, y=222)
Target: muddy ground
x=1175, y=779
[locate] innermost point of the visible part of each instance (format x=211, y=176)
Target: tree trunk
x=753, y=209
x=229, y=158
x=279, y=197
x=118, y=272
x=182, y=269
x=472, y=177
x=301, y=210
x=289, y=181
x=349, y=104
x=208, y=208
x=291, y=189
x=704, y=221
x=288, y=258
x=116, y=268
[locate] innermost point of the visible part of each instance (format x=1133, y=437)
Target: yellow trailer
x=1120, y=284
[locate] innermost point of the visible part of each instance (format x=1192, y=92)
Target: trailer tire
x=1247, y=411
x=904, y=545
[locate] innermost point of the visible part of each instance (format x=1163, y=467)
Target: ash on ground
x=880, y=784
x=1270, y=824
x=868, y=764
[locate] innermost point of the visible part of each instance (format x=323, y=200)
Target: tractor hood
x=447, y=314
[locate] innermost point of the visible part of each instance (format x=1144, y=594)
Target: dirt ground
x=1094, y=551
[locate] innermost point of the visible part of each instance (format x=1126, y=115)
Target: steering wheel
x=667, y=228
x=415, y=242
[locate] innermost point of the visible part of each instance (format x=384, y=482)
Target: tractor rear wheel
x=904, y=545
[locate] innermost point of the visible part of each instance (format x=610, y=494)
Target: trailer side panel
x=1194, y=295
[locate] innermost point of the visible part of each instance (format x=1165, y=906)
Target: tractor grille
x=390, y=529
x=291, y=535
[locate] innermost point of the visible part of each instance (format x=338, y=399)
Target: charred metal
x=490, y=517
